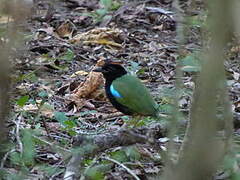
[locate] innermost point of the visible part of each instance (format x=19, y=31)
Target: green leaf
x=107, y=17
x=115, y=5
x=43, y=94
x=199, y=21
x=195, y=21
x=37, y=126
x=70, y=123
x=166, y=108
x=92, y=14
x=22, y=100
x=140, y=123
x=28, y=147
x=47, y=106
x=119, y=156
x=32, y=77
x=14, y=176
x=87, y=112
x=16, y=158
x=60, y=117
x=50, y=170
x=29, y=76
x=191, y=64
x=71, y=132
x=101, y=12
x=32, y=101
x=83, y=149
x=133, y=153
x=134, y=67
x=141, y=71
x=235, y=176
x=94, y=173
x=106, y=3
x=125, y=118
x=68, y=56
x=3, y=31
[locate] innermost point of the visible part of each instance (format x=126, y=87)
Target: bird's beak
x=98, y=69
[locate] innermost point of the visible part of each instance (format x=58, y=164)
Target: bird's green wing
x=134, y=95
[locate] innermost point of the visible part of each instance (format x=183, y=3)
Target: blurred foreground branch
x=16, y=12
x=202, y=151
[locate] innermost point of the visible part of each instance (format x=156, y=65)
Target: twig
x=43, y=120
x=104, y=116
x=46, y=128
x=19, y=118
x=51, y=144
x=5, y=158
x=123, y=166
x=99, y=143
x=58, y=172
x=159, y=10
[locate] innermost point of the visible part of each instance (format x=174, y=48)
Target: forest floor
x=56, y=95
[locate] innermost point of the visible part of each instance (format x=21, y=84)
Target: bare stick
x=99, y=143
x=123, y=166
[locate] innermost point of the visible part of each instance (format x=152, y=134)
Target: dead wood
x=100, y=143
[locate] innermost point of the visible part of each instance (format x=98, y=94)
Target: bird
x=126, y=92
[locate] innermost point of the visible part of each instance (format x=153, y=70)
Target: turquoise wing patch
x=114, y=92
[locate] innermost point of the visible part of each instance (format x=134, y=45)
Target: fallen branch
x=92, y=145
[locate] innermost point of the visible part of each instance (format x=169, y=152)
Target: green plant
x=104, y=13
x=68, y=123
x=191, y=63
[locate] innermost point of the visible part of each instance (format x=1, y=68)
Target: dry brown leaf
x=89, y=105
x=236, y=76
x=236, y=106
x=30, y=108
x=79, y=73
x=104, y=36
x=89, y=89
x=235, y=49
x=79, y=102
x=152, y=170
x=5, y=19
x=93, y=81
x=104, y=42
x=46, y=110
x=144, y=152
x=44, y=33
x=160, y=27
x=233, y=73
x=99, y=94
x=53, y=126
x=66, y=29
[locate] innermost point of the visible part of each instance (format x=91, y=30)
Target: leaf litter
x=66, y=45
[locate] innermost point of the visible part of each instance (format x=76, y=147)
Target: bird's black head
x=111, y=71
